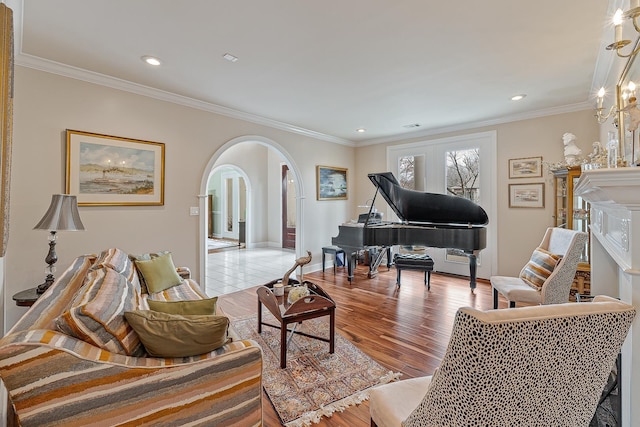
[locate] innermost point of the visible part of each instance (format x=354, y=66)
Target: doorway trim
x=237, y=172
x=202, y=197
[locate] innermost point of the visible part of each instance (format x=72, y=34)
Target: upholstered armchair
x=528, y=366
x=547, y=277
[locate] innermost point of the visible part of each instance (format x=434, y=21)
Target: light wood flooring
x=406, y=330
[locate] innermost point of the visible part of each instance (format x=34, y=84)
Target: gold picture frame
x=6, y=119
x=331, y=183
x=105, y=170
x=526, y=195
x=526, y=167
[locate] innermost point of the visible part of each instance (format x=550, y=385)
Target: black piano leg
x=351, y=265
x=473, y=263
x=389, y=258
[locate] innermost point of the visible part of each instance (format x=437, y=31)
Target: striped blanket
x=54, y=379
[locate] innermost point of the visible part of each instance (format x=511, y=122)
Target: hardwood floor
x=406, y=330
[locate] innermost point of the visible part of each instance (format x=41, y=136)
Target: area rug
x=314, y=383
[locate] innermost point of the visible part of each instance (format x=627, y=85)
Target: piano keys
x=428, y=219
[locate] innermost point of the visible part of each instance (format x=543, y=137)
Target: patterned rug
x=314, y=383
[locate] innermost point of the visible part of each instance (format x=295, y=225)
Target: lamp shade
x=61, y=215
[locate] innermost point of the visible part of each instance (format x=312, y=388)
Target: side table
x=26, y=298
x=318, y=303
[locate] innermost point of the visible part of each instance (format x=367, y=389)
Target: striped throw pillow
x=539, y=267
x=96, y=314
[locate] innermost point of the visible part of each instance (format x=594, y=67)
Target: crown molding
x=602, y=73
x=64, y=70
x=571, y=108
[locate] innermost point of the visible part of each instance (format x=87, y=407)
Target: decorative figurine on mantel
x=572, y=152
x=598, y=158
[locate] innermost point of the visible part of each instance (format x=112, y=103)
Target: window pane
x=411, y=172
x=463, y=174
x=463, y=169
x=407, y=172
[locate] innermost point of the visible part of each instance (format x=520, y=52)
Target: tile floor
x=233, y=270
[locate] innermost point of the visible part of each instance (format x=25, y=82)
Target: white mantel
x=614, y=195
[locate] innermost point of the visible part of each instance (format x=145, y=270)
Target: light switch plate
x=194, y=211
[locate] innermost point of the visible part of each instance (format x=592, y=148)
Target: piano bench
x=333, y=250
x=420, y=262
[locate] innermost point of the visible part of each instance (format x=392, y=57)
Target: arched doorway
x=257, y=153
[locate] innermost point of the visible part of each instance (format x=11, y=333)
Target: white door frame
x=235, y=204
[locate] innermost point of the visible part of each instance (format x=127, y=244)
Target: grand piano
x=428, y=219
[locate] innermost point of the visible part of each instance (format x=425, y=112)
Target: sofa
x=74, y=359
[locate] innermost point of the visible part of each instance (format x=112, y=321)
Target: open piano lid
x=433, y=208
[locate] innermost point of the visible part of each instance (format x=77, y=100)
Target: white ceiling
x=327, y=68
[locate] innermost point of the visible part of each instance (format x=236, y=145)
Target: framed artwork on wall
x=104, y=170
x=331, y=183
x=6, y=119
x=528, y=167
x=526, y=195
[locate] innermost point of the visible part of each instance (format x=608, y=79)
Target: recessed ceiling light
x=229, y=57
x=151, y=60
x=361, y=130
x=518, y=97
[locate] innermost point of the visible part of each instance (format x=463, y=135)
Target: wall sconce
x=633, y=13
x=600, y=115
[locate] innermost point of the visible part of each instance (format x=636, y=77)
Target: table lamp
x=62, y=215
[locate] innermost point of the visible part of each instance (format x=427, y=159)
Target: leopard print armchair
x=529, y=366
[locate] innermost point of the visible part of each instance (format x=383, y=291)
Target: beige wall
x=46, y=104
x=519, y=230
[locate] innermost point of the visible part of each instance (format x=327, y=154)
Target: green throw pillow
x=172, y=335
x=196, y=306
x=159, y=273
x=145, y=257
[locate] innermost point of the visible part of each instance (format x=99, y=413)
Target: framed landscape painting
x=526, y=195
x=529, y=167
x=331, y=183
x=104, y=170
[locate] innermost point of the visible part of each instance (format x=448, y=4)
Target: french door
x=462, y=166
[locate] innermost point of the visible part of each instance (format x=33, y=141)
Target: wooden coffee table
x=317, y=304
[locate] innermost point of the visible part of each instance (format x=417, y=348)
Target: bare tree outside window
x=463, y=170
x=407, y=172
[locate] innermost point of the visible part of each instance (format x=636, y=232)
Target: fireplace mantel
x=618, y=186
x=614, y=195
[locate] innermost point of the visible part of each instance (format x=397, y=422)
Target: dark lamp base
x=44, y=286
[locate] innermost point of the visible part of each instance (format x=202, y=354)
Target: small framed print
x=526, y=195
x=331, y=183
x=528, y=167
